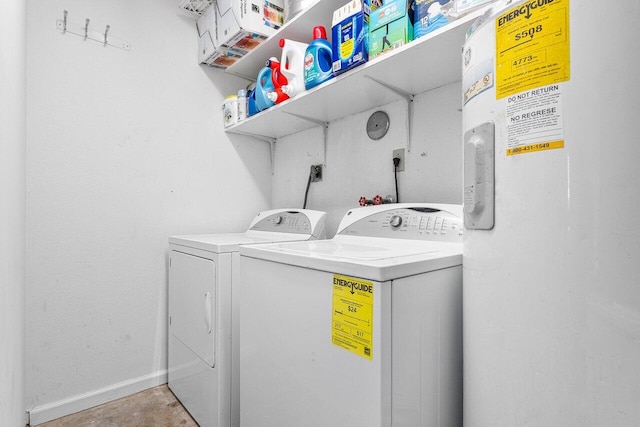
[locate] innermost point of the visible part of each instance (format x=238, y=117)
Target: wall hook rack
x=83, y=30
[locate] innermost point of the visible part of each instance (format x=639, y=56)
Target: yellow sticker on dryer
x=532, y=46
x=352, y=316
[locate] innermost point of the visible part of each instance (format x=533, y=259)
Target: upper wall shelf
x=427, y=63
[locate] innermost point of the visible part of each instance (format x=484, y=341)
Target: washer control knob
x=278, y=219
x=396, y=221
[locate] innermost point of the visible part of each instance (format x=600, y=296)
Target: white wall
x=124, y=149
x=12, y=211
x=358, y=166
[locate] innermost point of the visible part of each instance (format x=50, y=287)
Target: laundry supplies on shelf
x=269, y=84
x=317, y=59
x=292, y=66
x=391, y=26
x=230, y=110
x=350, y=36
x=429, y=15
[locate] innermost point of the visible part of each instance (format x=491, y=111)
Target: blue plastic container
x=252, y=108
x=264, y=85
x=318, y=59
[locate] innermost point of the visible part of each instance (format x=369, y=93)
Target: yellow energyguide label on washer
x=532, y=46
x=352, y=316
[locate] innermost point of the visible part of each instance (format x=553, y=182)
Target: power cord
x=306, y=192
x=396, y=163
x=313, y=172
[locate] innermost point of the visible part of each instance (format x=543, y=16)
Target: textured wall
x=124, y=149
x=358, y=166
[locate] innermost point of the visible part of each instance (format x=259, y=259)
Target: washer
x=364, y=329
x=204, y=314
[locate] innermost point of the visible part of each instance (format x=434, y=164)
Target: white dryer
x=204, y=314
x=364, y=329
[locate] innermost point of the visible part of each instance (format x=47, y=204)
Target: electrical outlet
x=399, y=153
x=316, y=173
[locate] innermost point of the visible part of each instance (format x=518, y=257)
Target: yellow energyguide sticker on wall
x=352, y=316
x=532, y=46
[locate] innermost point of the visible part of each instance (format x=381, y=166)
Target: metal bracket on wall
x=82, y=30
x=271, y=141
x=409, y=98
x=325, y=132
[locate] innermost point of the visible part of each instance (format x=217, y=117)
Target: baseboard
x=51, y=411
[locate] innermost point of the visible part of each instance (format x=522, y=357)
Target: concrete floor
x=156, y=407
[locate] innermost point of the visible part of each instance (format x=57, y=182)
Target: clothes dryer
x=364, y=329
x=204, y=313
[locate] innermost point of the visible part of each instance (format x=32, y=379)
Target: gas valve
x=377, y=200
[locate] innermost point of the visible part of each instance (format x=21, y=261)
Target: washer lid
x=372, y=258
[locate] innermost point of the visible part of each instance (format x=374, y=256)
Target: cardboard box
x=223, y=38
x=244, y=24
x=208, y=50
x=428, y=16
x=465, y=6
x=350, y=36
x=391, y=25
x=206, y=26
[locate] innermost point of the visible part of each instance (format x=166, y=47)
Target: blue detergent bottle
x=252, y=108
x=317, y=59
x=264, y=85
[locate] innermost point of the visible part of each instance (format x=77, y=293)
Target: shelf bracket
x=271, y=141
x=325, y=132
x=409, y=98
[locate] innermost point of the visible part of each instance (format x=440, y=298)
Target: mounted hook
x=86, y=29
x=64, y=21
x=106, y=30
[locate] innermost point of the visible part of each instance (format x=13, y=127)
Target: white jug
x=292, y=66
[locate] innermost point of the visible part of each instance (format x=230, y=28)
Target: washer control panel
x=416, y=223
x=284, y=222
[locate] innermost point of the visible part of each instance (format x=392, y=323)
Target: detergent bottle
x=269, y=85
x=279, y=81
x=264, y=85
x=292, y=66
x=252, y=107
x=317, y=59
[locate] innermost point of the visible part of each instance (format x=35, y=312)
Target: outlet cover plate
x=399, y=152
x=317, y=177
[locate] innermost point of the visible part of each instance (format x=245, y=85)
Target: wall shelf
x=427, y=63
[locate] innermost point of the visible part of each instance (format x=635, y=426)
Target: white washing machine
x=204, y=314
x=364, y=329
